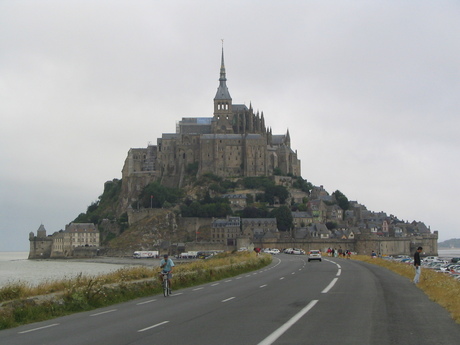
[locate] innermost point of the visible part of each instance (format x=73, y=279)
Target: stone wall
x=40, y=248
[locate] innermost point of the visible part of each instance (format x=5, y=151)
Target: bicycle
x=165, y=284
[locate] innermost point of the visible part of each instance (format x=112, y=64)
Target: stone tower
x=223, y=121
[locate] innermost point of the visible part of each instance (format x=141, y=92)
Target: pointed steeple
x=223, y=113
x=222, y=90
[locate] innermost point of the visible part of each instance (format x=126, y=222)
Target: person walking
x=166, y=265
x=417, y=265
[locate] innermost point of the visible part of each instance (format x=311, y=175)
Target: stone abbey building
x=234, y=142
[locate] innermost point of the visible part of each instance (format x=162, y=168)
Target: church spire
x=222, y=90
x=223, y=113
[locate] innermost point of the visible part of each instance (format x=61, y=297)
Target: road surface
x=291, y=301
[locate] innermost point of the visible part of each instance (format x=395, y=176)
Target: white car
x=298, y=251
x=272, y=251
x=314, y=255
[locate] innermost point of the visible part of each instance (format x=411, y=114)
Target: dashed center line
x=228, y=299
x=104, y=312
x=140, y=303
x=36, y=329
x=331, y=284
x=158, y=324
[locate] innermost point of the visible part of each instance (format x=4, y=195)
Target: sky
x=369, y=91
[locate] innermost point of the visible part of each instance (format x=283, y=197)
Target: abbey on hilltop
x=234, y=142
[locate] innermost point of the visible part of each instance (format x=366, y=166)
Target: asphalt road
x=336, y=301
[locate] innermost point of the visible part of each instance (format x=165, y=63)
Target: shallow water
x=15, y=267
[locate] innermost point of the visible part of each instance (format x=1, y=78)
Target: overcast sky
x=369, y=91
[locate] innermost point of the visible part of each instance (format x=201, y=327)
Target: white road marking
x=158, y=324
x=238, y=277
x=281, y=278
x=228, y=299
x=200, y=288
x=215, y=284
x=280, y=331
x=263, y=286
x=339, y=272
x=104, y=312
x=331, y=284
x=152, y=300
x=37, y=329
x=228, y=281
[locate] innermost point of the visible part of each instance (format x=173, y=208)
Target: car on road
x=298, y=251
x=314, y=255
x=273, y=251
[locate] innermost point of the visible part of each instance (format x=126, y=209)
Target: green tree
x=155, y=194
x=283, y=217
x=342, y=200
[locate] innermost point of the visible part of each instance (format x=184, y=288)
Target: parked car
x=431, y=259
x=455, y=260
x=298, y=251
x=272, y=251
x=314, y=255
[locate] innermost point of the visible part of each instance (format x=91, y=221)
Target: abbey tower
x=234, y=142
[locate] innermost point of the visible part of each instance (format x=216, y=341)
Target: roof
x=81, y=227
x=239, y=107
x=232, y=136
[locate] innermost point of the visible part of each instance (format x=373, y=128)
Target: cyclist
x=166, y=266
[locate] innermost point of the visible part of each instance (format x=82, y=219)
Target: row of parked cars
x=441, y=265
x=296, y=251
x=312, y=254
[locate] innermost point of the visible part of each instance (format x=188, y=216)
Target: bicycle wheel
x=165, y=288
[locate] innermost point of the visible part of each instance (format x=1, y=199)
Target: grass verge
x=439, y=287
x=22, y=303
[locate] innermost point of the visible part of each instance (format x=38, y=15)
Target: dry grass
x=440, y=287
x=23, y=290
x=23, y=303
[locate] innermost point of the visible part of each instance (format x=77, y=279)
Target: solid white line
x=228, y=299
x=36, y=329
x=158, y=324
x=104, y=312
x=339, y=272
x=152, y=300
x=331, y=284
x=279, y=332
